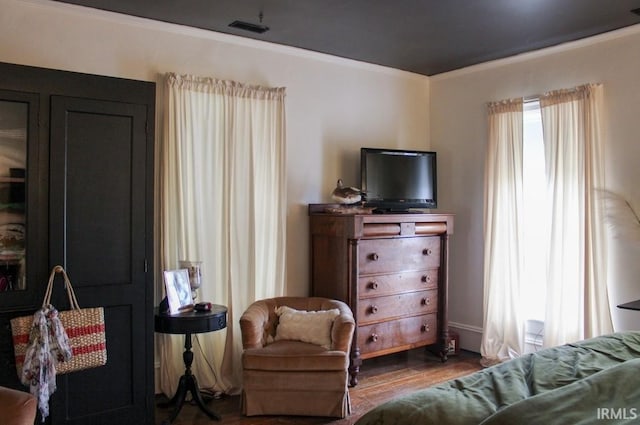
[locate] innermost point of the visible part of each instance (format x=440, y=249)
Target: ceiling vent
x=248, y=26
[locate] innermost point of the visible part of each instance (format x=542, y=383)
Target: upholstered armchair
x=288, y=371
x=17, y=407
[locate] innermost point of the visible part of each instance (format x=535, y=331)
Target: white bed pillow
x=307, y=326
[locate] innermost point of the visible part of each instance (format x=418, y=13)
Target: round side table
x=188, y=323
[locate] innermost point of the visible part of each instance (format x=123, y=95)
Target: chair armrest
x=17, y=407
x=343, y=327
x=254, y=324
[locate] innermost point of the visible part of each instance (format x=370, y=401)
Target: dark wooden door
x=99, y=214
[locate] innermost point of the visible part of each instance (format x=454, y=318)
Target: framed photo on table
x=178, y=289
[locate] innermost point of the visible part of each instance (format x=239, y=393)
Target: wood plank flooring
x=380, y=379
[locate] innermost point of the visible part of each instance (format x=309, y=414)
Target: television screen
x=398, y=179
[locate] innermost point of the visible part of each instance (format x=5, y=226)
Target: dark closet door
x=99, y=207
x=25, y=259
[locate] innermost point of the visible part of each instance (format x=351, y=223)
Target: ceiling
x=422, y=36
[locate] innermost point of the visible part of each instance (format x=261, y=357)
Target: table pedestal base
x=188, y=383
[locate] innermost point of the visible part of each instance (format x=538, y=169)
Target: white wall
x=334, y=106
x=459, y=134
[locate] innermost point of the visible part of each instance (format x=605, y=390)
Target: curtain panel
x=223, y=202
x=577, y=297
x=503, y=326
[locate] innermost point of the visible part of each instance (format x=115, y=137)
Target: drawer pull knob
x=373, y=337
x=374, y=256
x=373, y=284
x=426, y=301
x=425, y=327
x=427, y=251
x=373, y=309
x=426, y=278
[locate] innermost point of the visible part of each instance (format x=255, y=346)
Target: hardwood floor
x=380, y=379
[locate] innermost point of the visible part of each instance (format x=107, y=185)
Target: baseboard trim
x=466, y=327
x=470, y=336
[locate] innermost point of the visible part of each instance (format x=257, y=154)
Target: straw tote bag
x=84, y=327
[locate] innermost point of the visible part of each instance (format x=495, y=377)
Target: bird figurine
x=346, y=195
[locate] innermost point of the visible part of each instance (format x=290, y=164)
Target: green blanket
x=591, y=381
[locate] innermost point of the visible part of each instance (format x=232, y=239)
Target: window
x=534, y=199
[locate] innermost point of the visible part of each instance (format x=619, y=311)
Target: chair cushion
x=17, y=407
x=306, y=326
x=287, y=355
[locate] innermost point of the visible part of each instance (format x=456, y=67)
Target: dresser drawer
x=388, y=284
x=404, y=334
x=399, y=254
x=393, y=306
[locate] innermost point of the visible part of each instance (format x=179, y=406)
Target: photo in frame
x=178, y=289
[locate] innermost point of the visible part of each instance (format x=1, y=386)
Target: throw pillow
x=307, y=326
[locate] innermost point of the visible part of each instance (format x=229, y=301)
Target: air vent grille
x=248, y=26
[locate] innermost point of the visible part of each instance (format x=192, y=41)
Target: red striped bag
x=84, y=327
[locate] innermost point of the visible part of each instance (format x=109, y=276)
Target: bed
x=592, y=381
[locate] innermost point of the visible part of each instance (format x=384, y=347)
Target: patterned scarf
x=48, y=344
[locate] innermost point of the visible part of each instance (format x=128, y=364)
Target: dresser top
x=369, y=225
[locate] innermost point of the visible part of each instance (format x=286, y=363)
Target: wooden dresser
x=391, y=269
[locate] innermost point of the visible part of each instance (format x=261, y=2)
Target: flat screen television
x=398, y=180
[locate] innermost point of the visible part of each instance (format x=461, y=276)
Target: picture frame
x=178, y=290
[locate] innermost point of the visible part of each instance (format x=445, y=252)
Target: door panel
x=89, y=400
x=21, y=256
x=98, y=224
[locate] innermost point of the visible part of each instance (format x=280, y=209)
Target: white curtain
x=577, y=301
x=503, y=234
x=222, y=199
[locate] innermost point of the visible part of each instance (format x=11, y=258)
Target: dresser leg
x=444, y=355
x=444, y=344
x=354, y=367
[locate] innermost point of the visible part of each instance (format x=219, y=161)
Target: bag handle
x=73, y=301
